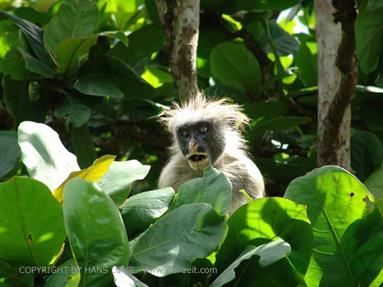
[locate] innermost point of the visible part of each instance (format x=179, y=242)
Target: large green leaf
x=35, y=66
x=69, y=275
x=18, y=103
x=213, y=188
x=374, y=183
x=43, y=154
x=335, y=201
x=123, y=278
x=75, y=19
x=74, y=111
x=307, y=65
x=368, y=37
x=118, y=180
x=238, y=5
x=10, y=151
x=143, y=43
x=31, y=223
x=366, y=153
x=268, y=253
x=95, y=231
x=142, y=209
x=186, y=233
x=235, y=66
x=33, y=36
x=71, y=52
x=263, y=220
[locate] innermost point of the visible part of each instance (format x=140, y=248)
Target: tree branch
x=181, y=22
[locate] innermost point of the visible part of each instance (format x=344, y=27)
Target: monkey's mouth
x=198, y=161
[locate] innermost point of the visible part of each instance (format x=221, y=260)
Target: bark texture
x=337, y=78
x=181, y=22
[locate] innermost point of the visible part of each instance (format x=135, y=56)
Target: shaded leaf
x=31, y=224
x=95, y=231
x=374, y=183
x=10, y=151
x=142, y=209
x=188, y=232
x=235, y=66
x=43, y=154
x=120, y=176
x=83, y=146
x=69, y=275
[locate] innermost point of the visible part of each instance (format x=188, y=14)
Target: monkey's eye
x=203, y=129
x=184, y=133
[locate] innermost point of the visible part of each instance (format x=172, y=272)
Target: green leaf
x=31, y=224
x=213, y=188
x=95, y=231
x=83, y=146
x=374, y=184
x=366, y=153
x=123, y=278
x=235, y=66
x=13, y=65
x=10, y=151
x=142, y=209
x=373, y=5
x=143, y=43
x=34, y=65
x=18, y=103
x=43, y=154
x=307, y=66
x=74, y=111
x=238, y=5
x=283, y=42
x=14, y=276
x=368, y=37
x=71, y=52
x=98, y=85
x=33, y=36
x=267, y=219
x=184, y=234
x=69, y=275
x=335, y=200
x=268, y=253
x=119, y=178
x=75, y=19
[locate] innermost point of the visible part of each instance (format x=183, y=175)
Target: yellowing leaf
x=91, y=174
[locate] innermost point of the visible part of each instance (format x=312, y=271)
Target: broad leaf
x=95, y=231
x=235, y=66
x=267, y=219
x=335, y=199
x=268, y=254
x=213, y=188
x=374, y=183
x=75, y=19
x=142, y=209
x=10, y=151
x=366, y=153
x=69, y=275
x=118, y=179
x=34, y=65
x=31, y=223
x=71, y=52
x=186, y=233
x=74, y=111
x=92, y=174
x=238, y=5
x=307, y=65
x=123, y=278
x=43, y=154
x=368, y=37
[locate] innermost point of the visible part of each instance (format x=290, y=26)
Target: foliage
x=97, y=72
x=327, y=221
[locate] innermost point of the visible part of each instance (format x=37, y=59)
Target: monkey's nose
x=193, y=145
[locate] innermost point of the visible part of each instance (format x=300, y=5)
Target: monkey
x=208, y=132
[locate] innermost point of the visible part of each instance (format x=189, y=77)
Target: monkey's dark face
x=201, y=143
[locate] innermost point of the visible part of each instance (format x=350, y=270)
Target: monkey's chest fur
x=240, y=170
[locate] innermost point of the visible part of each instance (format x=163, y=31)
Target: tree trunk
x=337, y=78
x=181, y=22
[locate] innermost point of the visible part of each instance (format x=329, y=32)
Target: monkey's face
x=201, y=143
